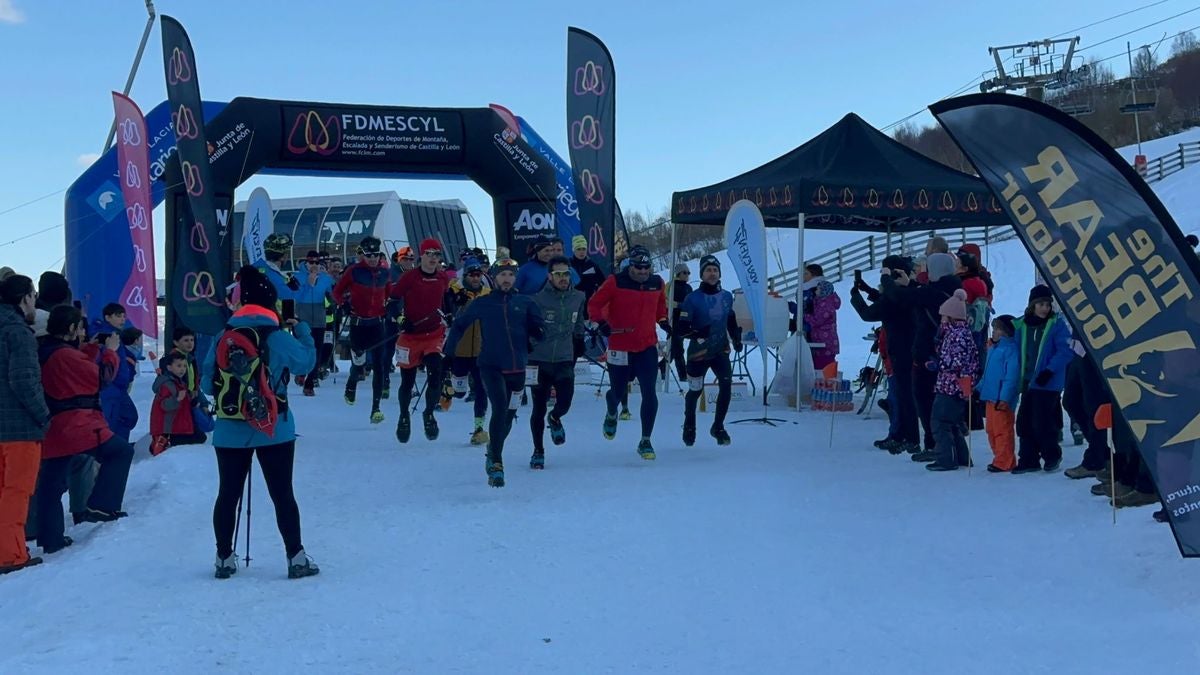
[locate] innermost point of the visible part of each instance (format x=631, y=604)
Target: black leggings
x=233, y=465
x=696, y=370
x=560, y=377
x=318, y=336
x=433, y=383
x=643, y=366
x=465, y=366
x=367, y=344
x=500, y=387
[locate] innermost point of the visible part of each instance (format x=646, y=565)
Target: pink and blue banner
x=139, y=294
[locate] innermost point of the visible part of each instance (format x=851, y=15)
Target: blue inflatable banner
x=566, y=208
x=98, y=242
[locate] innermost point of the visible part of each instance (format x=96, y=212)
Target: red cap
x=430, y=244
x=973, y=249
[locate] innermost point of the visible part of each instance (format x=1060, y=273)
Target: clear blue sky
x=705, y=90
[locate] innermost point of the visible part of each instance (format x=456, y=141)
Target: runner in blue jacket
x=511, y=322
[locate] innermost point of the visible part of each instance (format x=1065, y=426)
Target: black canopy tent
x=851, y=177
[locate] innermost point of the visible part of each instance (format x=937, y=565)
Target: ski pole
x=249, y=482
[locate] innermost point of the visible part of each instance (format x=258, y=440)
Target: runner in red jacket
x=628, y=306
x=367, y=282
x=422, y=332
x=72, y=378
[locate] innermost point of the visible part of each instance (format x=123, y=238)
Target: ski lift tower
x=1032, y=66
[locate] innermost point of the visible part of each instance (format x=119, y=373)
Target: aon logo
x=534, y=221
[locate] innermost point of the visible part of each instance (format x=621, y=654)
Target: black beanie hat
x=256, y=288
x=53, y=290
x=709, y=260
x=1040, y=292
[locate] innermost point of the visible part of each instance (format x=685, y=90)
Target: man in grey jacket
x=554, y=357
x=23, y=419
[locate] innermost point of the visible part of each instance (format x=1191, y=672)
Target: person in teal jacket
x=236, y=442
x=1044, y=342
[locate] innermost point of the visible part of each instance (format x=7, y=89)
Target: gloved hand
x=1043, y=377
x=932, y=365
x=604, y=329
x=665, y=326
x=737, y=345
x=1002, y=406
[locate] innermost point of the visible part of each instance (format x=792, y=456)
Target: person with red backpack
x=246, y=373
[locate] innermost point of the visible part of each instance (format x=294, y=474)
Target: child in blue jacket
x=999, y=389
x=119, y=411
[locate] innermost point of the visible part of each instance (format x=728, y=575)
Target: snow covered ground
x=780, y=554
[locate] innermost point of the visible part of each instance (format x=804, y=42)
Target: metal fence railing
x=868, y=253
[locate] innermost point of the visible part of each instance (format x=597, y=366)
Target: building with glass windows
x=335, y=224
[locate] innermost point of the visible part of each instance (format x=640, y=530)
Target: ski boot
x=376, y=416
x=431, y=425
x=300, y=566
x=626, y=415
x=689, y=435
x=610, y=426
x=495, y=473
x=538, y=460
x=226, y=567
x=645, y=449
x=308, y=391
x=721, y=435
x=350, y=396
x=557, y=433
x=403, y=427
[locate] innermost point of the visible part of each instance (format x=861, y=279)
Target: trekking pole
x=1103, y=420
x=249, y=482
x=237, y=524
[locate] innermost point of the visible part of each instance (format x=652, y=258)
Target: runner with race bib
x=628, y=306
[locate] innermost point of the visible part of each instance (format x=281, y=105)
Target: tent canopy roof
x=850, y=177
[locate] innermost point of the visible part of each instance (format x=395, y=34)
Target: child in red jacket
x=171, y=421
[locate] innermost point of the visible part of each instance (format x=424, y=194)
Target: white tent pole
x=671, y=302
x=799, y=298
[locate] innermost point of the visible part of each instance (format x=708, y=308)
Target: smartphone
x=289, y=310
x=858, y=278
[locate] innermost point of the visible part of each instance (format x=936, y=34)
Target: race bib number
x=617, y=358
x=531, y=376
x=328, y=337
x=402, y=356
x=460, y=384
x=514, y=400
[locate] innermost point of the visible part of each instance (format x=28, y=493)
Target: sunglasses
x=432, y=252
x=640, y=266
